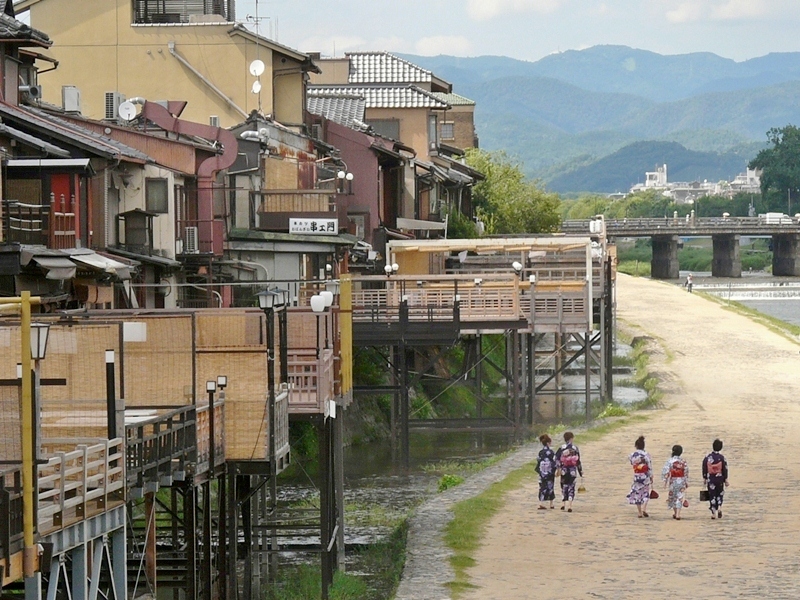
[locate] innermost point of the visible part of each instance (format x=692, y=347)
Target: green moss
x=447, y=481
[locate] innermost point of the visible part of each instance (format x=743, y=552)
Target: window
x=448, y=130
x=156, y=195
x=433, y=142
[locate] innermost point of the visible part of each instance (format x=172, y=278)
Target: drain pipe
x=201, y=77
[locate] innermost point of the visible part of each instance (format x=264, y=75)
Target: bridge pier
x=664, y=264
x=726, y=261
x=785, y=254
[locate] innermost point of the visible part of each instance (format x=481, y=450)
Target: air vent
x=113, y=100
x=190, y=241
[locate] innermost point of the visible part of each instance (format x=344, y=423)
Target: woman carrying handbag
x=676, y=478
x=642, y=486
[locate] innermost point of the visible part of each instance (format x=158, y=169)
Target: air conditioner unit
x=191, y=245
x=113, y=100
x=71, y=99
x=213, y=120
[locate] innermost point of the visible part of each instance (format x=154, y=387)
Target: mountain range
x=590, y=120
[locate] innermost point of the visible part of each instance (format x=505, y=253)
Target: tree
x=506, y=202
x=780, y=167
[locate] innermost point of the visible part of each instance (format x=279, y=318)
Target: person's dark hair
x=568, y=436
x=717, y=445
x=545, y=439
x=677, y=450
x=639, y=443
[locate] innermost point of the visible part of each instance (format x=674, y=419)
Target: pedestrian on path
x=642, y=478
x=689, y=282
x=568, y=463
x=546, y=468
x=676, y=478
x=715, y=477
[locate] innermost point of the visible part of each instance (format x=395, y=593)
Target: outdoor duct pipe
x=207, y=169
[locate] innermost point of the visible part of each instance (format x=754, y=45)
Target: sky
x=528, y=29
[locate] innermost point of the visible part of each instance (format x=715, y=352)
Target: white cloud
x=443, y=44
x=685, y=13
x=739, y=9
x=482, y=10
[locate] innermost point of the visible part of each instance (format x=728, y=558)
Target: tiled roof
x=409, y=96
x=454, y=99
x=11, y=29
x=383, y=67
x=345, y=109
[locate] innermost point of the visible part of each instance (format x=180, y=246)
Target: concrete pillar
x=726, y=261
x=786, y=254
x=665, y=257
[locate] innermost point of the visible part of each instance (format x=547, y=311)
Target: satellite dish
x=256, y=87
x=127, y=111
x=257, y=67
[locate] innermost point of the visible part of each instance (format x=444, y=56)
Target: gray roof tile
x=409, y=96
x=345, y=109
x=11, y=29
x=383, y=67
x=454, y=99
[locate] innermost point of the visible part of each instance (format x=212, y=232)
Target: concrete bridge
x=724, y=232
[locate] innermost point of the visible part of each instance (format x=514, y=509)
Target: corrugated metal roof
x=383, y=67
x=409, y=96
x=454, y=99
x=64, y=131
x=345, y=109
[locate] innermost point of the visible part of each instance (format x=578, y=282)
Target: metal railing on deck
x=77, y=484
x=204, y=436
x=10, y=511
x=160, y=447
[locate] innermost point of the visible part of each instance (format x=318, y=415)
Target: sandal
x=644, y=514
x=569, y=510
x=542, y=508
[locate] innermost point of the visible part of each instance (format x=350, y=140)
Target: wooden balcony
x=10, y=522
x=296, y=201
x=78, y=483
x=51, y=225
x=311, y=380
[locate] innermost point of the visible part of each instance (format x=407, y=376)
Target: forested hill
x=612, y=173
x=567, y=111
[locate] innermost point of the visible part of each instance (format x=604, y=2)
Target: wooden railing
x=311, y=380
x=80, y=483
x=296, y=201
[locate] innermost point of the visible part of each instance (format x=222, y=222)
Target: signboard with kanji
x=314, y=226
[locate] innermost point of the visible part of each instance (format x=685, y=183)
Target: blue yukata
x=715, y=474
x=568, y=463
x=642, y=477
x=676, y=475
x=546, y=468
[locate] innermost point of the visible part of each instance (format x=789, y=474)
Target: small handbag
x=653, y=494
x=685, y=504
x=703, y=495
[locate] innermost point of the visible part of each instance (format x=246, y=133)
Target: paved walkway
x=723, y=376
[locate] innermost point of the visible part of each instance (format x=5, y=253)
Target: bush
x=448, y=481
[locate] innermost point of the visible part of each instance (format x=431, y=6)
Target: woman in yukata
x=568, y=464
x=642, y=477
x=715, y=476
x=676, y=478
x=546, y=468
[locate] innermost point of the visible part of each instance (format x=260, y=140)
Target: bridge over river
x=724, y=232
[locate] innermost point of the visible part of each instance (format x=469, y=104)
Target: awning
x=56, y=266
x=81, y=163
x=92, y=260
x=420, y=225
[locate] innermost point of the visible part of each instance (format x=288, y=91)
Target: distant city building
x=683, y=192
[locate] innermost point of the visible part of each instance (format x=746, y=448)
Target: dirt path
x=726, y=377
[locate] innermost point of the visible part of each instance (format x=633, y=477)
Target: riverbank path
x=723, y=375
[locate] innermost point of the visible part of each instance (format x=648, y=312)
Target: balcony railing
x=159, y=448
x=295, y=201
x=311, y=380
x=78, y=484
x=204, y=436
x=52, y=226
x=10, y=511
